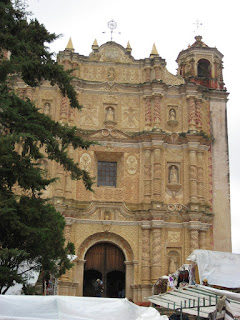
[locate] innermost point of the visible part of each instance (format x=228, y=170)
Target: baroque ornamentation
x=131, y=164
x=85, y=162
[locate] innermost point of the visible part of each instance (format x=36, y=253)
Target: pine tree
x=30, y=228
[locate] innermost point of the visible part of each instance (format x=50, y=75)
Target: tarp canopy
x=219, y=268
x=189, y=298
x=72, y=308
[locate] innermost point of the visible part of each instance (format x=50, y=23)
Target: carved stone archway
x=111, y=238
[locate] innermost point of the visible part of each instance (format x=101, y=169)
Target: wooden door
x=105, y=258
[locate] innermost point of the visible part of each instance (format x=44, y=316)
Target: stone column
x=156, y=267
x=191, y=113
x=147, y=176
x=148, y=112
x=79, y=272
x=129, y=280
x=59, y=184
x=68, y=179
x=193, y=175
x=145, y=253
x=67, y=229
x=157, y=111
x=200, y=177
x=194, y=241
x=202, y=240
x=147, y=74
x=64, y=109
x=157, y=174
x=199, y=114
x=157, y=72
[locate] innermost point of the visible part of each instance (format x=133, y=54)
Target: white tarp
x=72, y=308
x=219, y=268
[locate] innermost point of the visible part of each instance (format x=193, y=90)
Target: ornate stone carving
x=131, y=164
x=111, y=74
x=202, y=240
x=147, y=173
x=156, y=254
x=198, y=114
x=192, y=114
x=89, y=115
x=157, y=112
x=145, y=254
x=64, y=108
x=174, y=236
x=130, y=117
x=148, y=112
x=194, y=240
x=85, y=162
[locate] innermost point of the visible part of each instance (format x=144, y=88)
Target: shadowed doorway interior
x=106, y=262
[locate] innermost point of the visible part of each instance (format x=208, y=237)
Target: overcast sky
x=171, y=25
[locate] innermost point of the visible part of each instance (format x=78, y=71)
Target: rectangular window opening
x=107, y=173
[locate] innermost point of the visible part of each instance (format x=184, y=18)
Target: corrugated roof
x=189, y=298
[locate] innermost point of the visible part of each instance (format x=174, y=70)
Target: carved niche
x=172, y=116
x=173, y=178
x=174, y=261
x=110, y=115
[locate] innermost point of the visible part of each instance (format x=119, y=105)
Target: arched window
x=204, y=69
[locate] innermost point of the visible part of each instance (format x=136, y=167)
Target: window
x=107, y=173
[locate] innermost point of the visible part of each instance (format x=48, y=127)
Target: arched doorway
x=105, y=261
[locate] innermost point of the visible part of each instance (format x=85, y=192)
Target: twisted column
x=147, y=174
x=194, y=239
x=157, y=111
x=200, y=177
x=191, y=113
x=148, y=112
x=156, y=254
x=157, y=174
x=145, y=254
x=193, y=175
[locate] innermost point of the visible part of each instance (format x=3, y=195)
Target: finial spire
x=129, y=48
x=95, y=45
x=154, y=52
x=70, y=45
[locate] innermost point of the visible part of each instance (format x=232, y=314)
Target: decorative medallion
x=85, y=162
x=131, y=164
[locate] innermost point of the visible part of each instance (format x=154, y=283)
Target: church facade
x=160, y=166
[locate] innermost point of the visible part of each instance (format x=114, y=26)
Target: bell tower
x=201, y=64
x=201, y=67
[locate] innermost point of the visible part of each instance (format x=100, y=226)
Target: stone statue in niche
x=173, y=175
x=172, y=115
x=107, y=215
x=111, y=74
x=173, y=261
x=46, y=108
x=110, y=115
x=172, y=264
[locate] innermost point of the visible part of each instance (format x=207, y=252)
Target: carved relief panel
x=89, y=114
x=130, y=113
